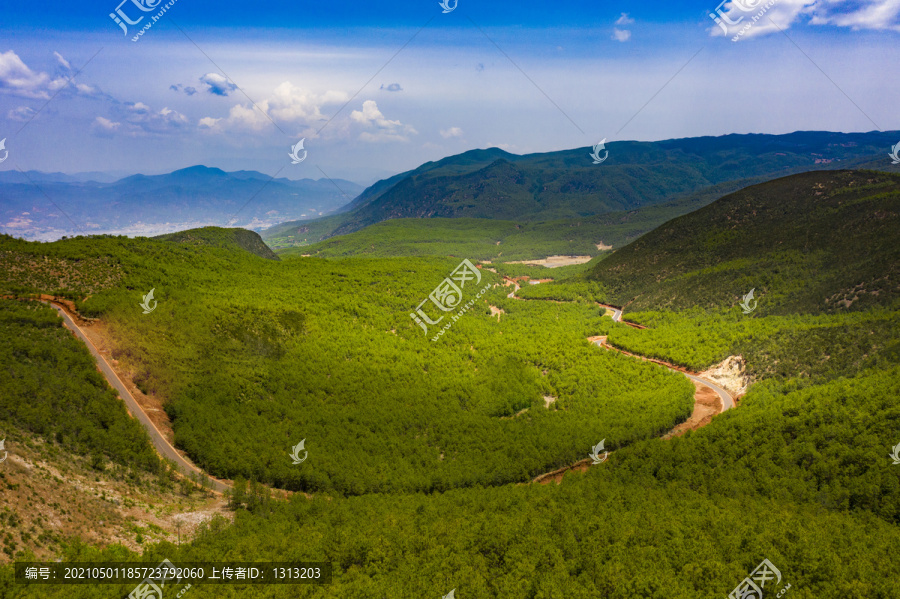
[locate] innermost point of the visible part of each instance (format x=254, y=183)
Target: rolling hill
x=243, y=239
x=502, y=240
x=812, y=242
x=494, y=184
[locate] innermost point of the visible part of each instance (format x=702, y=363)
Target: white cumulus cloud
x=736, y=17
x=287, y=104
x=22, y=114
x=136, y=119
x=19, y=80
x=217, y=84
x=378, y=128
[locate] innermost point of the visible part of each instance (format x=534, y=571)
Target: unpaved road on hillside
x=704, y=408
x=159, y=442
x=727, y=399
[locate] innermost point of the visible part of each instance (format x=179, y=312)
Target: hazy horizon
x=380, y=90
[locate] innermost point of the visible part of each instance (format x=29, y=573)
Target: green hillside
x=814, y=242
x=501, y=240
x=494, y=184
x=257, y=355
x=223, y=238
x=819, y=250
x=67, y=399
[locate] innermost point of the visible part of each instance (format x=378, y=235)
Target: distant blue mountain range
x=45, y=206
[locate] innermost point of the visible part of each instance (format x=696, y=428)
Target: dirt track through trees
x=709, y=399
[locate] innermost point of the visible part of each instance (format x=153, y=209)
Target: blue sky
x=235, y=85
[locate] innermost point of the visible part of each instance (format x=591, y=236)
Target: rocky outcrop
x=731, y=374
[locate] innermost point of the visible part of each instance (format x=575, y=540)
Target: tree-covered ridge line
x=809, y=243
x=497, y=185
x=225, y=238
x=492, y=239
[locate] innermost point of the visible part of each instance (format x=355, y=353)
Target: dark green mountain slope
x=814, y=242
x=566, y=185
x=223, y=238
x=505, y=240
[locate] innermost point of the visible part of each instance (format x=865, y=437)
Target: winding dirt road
x=725, y=396
x=727, y=399
x=162, y=446
x=704, y=408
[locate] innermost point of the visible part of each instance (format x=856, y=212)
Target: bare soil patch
x=51, y=497
x=707, y=404
x=555, y=261
x=557, y=475
x=730, y=374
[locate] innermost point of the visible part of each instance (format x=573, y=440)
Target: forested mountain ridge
x=495, y=184
x=813, y=242
x=225, y=238
x=506, y=240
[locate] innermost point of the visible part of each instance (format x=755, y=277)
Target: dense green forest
x=830, y=248
x=796, y=346
x=51, y=387
x=329, y=353
x=418, y=448
x=797, y=476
